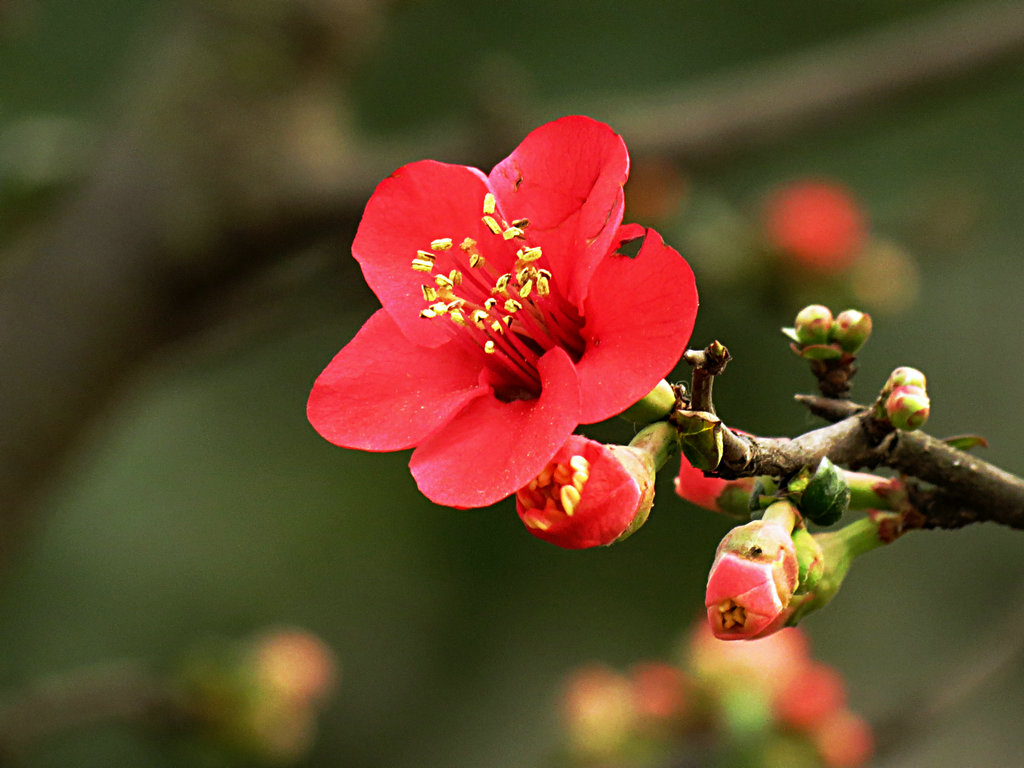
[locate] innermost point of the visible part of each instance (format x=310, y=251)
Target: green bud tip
x=851, y=329
x=908, y=407
x=813, y=324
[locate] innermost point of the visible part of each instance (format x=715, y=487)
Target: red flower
x=588, y=495
x=508, y=318
x=817, y=224
x=727, y=496
x=751, y=581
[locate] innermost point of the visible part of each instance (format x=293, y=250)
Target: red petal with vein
x=381, y=392
x=415, y=205
x=566, y=178
x=639, y=316
x=492, y=448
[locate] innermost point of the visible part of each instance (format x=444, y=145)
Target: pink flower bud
x=727, y=496
x=851, y=330
x=811, y=697
x=598, y=711
x=589, y=494
x=908, y=407
x=813, y=324
x=660, y=691
x=752, y=581
x=817, y=225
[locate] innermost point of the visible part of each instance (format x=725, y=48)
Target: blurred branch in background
x=236, y=152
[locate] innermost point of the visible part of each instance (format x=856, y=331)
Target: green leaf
x=827, y=495
x=966, y=442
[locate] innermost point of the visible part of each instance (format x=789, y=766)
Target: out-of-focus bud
x=598, y=711
x=752, y=580
x=816, y=225
x=661, y=692
x=908, y=407
x=813, y=325
x=766, y=664
x=260, y=699
x=844, y=740
x=851, y=330
x=590, y=494
x=810, y=697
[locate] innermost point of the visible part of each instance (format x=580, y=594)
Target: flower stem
x=659, y=441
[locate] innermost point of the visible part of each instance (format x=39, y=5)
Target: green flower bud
x=813, y=324
x=851, y=330
x=908, y=407
x=827, y=496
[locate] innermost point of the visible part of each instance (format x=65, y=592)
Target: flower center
x=512, y=317
x=731, y=614
x=552, y=496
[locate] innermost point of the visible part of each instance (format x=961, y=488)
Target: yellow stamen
x=569, y=497
x=475, y=260
x=429, y=294
x=511, y=232
x=521, y=223
x=478, y=317
x=511, y=305
x=455, y=276
x=441, y=244
x=457, y=317
x=492, y=225
x=490, y=204
x=524, y=291
x=422, y=265
x=490, y=303
x=489, y=347
x=529, y=254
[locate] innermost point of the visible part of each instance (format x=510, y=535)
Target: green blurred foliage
x=204, y=503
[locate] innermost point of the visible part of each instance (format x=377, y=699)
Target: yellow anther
x=490, y=204
x=489, y=347
x=427, y=313
x=441, y=244
x=525, y=289
x=544, y=478
x=579, y=463
x=501, y=284
x=442, y=282
x=457, y=317
x=543, y=286
x=490, y=303
x=492, y=225
x=569, y=497
x=529, y=254
x=468, y=244
x=475, y=260
x=455, y=276
x=439, y=308
x=422, y=265
x=426, y=255
x=497, y=327
x=507, y=319
x=511, y=232
x=536, y=523
x=511, y=305
x=562, y=474
x=429, y=294
x=478, y=317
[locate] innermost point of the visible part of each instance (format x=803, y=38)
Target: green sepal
x=762, y=495
x=966, y=442
x=810, y=559
x=790, y=333
x=819, y=351
x=827, y=495
x=700, y=437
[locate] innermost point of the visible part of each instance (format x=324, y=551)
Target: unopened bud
x=908, y=407
x=813, y=324
x=905, y=376
x=851, y=330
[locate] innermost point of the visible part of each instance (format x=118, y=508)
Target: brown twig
x=962, y=488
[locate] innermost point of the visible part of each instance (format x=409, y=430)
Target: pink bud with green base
x=851, y=330
x=813, y=324
x=754, y=576
x=908, y=407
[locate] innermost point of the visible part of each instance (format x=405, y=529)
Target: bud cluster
x=817, y=335
x=904, y=401
x=768, y=698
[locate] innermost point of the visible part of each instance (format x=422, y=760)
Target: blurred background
x=179, y=185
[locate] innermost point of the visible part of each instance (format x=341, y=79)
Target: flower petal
x=381, y=392
x=640, y=313
x=492, y=448
x=416, y=205
x=566, y=178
